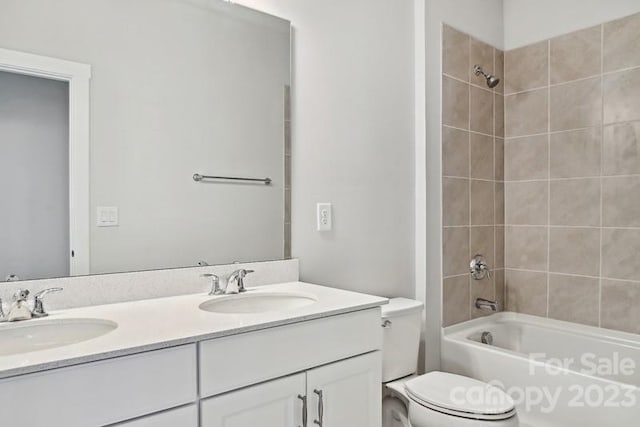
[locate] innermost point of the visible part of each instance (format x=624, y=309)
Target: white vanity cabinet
x=236, y=361
x=336, y=356
x=258, y=378
x=345, y=393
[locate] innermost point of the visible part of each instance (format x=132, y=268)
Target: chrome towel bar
x=197, y=177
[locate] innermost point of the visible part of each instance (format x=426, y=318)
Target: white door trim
x=78, y=75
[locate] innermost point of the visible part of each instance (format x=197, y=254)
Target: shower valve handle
x=479, y=268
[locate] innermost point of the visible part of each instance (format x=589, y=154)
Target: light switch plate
x=107, y=216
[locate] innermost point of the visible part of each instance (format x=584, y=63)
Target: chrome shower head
x=492, y=81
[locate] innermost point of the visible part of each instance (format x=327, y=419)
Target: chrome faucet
x=215, y=284
x=487, y=305
x=20, y=310
x=235, y=283
x=38, y=308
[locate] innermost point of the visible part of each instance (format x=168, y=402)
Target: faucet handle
x=241, y=275
x=479, y=268
x=215, y=284
x=237, y=278
x=38, y=307
x=21, y=295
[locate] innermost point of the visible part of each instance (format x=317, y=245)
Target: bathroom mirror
x=111, y=111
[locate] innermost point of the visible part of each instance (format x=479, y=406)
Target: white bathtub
x=561, y=374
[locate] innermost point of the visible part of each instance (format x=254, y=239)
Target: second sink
x=258, y=302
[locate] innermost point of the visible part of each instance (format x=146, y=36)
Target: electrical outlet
x=325, y=222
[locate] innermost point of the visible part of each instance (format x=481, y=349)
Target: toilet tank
x=401, y=321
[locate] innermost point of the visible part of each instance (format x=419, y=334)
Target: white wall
x=484, y=20
x=527, y=21
x=353, y=142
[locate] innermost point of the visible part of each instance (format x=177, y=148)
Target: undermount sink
x=36, y=335
x=258, y=303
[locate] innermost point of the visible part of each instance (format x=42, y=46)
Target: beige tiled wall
x=572, y=176
x=473, y=174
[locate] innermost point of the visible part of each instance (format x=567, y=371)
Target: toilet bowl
x=436, y=399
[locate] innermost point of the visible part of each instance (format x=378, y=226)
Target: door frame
x=78, y=76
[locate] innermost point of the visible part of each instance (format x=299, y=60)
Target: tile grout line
x=470, y=162
x=470, y=82
x=548, y=172
x=467, y=178
x=584, y=276
x=470, y=226
x=578, y=129
x=601, y=74
x=557, y=273
x=601, y=240
x=505, y=261
x=579, y=227
x=494, y=182
x=504, y=191
x=570, y=178
x=468, y=130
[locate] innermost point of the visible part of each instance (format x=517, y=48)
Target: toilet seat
x=460, y=396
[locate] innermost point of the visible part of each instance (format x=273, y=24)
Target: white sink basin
x=35, y=335
x=258, y=303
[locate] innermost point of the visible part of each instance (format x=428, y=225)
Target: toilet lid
x=460, y=396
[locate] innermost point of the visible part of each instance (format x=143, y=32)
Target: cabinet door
x=272, y=404
x=346, y=393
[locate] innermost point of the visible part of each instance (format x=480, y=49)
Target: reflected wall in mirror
x=174, y=88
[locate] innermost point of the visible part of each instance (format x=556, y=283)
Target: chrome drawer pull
x=320, y=407
x=304, y=409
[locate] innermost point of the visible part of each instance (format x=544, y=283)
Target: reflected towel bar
x=197, y=177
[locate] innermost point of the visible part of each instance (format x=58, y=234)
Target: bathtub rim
x=459, y=334
x=456, y=331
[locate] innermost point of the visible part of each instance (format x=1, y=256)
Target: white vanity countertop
x=166, y=322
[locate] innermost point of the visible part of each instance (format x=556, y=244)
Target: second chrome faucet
x=234, y=283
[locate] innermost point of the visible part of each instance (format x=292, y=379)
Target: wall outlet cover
x=324, y=217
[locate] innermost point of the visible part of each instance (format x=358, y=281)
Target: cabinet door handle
x=320, y=408
x=304, y=409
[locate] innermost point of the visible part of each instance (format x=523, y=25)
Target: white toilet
x=436, y=399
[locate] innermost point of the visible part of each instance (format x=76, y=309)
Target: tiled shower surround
x=571, y=179
x=473, y=191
